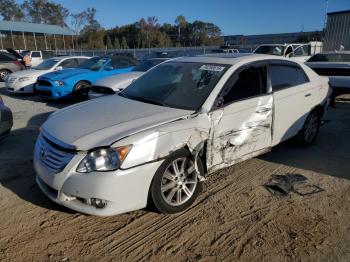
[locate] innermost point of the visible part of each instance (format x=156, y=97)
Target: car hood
x=118, y=82
x=101, y=122
x=30, y=73
x=65, y=73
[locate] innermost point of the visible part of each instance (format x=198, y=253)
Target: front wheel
x=3, y=74
x=309, y=132
x=175, y=185
x=81, y=90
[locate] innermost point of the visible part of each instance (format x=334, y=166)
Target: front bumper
x=6, y=121
x=123, y=190
x=52, y=92
x=25, y=87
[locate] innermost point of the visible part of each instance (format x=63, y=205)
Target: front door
x=242, y=119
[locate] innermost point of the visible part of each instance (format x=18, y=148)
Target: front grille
x=43, y=92
x=43, y=83
x=52, y=155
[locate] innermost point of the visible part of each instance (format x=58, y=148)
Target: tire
x=311, y=127
x=3, y=74
x=171, y=191
x=81, y=90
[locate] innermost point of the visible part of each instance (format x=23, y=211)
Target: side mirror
x=58, y=68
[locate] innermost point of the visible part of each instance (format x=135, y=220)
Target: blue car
x=75, y=82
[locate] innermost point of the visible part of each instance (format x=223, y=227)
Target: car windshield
x=330, y=58
x=270, y=50
x=180, y=85
x=93, y=64
x=146, y=65
x=46, y=64
x=24, y=53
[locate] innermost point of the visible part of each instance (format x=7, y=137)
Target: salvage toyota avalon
x=159, y=138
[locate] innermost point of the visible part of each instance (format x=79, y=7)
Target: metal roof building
x=32, y=30
x=337, y=32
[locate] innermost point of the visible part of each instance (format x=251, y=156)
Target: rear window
x=7, y=58
x=270, y=50
x=36, y=54
x=330, y=58
x=284, y=76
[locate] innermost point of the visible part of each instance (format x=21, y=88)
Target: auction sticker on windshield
x=212, y=68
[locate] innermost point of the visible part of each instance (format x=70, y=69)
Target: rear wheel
x=3, y=74
x=175, y=185
x=309, y=132
x=81, y=90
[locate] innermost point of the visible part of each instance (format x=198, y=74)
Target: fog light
x=98, y=203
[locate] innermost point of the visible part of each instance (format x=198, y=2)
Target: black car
x=6, y=120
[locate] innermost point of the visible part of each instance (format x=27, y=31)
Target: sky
x=232, y=16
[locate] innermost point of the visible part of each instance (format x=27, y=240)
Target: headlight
x=59, y=83
x=25, y=78
x=104, y=159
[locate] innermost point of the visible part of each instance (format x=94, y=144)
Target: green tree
x=109, y=42
x=11, y=11
x=116, y=43
x=45, y=12
x=124, y=44
x=181, y=22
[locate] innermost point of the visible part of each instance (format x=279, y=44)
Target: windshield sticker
x=213, y=68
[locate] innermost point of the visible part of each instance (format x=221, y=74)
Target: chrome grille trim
x=52, y=155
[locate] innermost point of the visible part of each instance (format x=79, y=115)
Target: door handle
x=263, y=110
x=308, y=94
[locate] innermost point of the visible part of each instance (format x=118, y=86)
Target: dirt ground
x=235, y=217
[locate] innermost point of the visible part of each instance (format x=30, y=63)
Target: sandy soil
x=235, y=218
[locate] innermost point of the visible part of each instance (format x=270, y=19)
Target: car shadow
x=330, y=154
x=16, y=164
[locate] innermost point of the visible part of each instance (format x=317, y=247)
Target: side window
x=284, y=76
x=302, y=51
x=247, y=83
x=120, y=63
x=36, y=54
x=81, y=60
x=69, y=63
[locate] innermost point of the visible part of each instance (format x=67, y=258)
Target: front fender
x=158, y=143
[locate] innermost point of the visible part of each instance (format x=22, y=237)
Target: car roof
x=229, y=58
x=65, y=57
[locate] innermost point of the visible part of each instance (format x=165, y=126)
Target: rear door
x=242, y=119
x=293, y=96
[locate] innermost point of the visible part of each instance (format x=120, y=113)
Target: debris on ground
x=282, y=185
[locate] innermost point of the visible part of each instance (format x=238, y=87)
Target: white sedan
x=159, y=138
x=24, y=81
